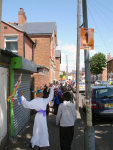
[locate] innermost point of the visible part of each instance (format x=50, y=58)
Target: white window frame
x=11, y=35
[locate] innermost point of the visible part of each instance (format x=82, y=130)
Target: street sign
x=87, y=38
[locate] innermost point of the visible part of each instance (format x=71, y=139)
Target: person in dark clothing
x=45, y=95
x=57, y=100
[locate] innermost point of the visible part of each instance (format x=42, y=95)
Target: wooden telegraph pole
x=78, y=55
x=66, y=67
x=89, y=130
x=0, y=19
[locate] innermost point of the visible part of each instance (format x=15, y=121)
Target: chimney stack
x=108, y=57
x=21, y=16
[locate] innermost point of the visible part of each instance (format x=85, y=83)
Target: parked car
x=97, y=82
x=101, y=101
x=81, y=87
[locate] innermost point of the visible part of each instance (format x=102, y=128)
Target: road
x=103, y=128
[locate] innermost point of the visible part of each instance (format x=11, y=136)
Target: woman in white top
x=66, y=117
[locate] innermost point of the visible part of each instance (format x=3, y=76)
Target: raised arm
x=47, y=100
x=28, y=104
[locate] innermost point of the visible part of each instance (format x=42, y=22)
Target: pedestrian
x=45, y=95
x=66, y=117
x=57, y=100
x=40, y=131
x=69, y=82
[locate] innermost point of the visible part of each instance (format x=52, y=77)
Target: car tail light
x=94, y=105
x=102, y=106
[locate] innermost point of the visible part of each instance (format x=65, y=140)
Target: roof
x=58, y=54
x=15, y=26
x=110, y=60
x=35, y=27
x=8, y=53
x=38, y=27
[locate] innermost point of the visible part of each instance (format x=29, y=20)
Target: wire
x=96, y=26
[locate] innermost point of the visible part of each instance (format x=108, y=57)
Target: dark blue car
x=101, y=100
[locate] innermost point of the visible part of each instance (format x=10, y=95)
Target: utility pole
x=0, y=19
x=89, y=130
x=78, y=55
x=67, y=67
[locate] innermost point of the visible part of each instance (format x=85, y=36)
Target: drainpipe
x=11, y=102
x=33, y=49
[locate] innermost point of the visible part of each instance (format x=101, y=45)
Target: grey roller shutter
x=21, y=114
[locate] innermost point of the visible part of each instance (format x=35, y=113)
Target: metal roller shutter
x=3, y=102
x=21, y=115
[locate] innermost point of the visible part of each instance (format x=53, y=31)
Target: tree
x=97, y=63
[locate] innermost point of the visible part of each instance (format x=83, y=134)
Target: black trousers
x=66, y=137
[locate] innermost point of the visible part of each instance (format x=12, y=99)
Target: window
x=103, y=93
x=11, y=43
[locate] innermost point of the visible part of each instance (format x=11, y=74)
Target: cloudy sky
x=64, y=13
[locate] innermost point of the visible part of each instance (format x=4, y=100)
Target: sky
x=64, y=13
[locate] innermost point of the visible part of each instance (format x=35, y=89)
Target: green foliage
x=63, y=75
x=97, y=63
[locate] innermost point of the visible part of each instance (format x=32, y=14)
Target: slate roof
x=35, y=27
x=58, y=54
x=38, y=27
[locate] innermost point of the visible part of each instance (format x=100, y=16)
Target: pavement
x=23, y=139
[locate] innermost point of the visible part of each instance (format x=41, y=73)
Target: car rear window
x=103, y=93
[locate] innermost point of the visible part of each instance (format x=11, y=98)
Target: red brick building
x=14, y=39
x=109, y=67
x=36, y=41
x=57, y=62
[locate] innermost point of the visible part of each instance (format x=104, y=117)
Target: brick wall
x=42, y=50
x=110, y=69
x=28, y=48
x=44, y=53
x=104, y=75
x=40, y=80
x=57, y=71
x=7, y=30
x=52, y=56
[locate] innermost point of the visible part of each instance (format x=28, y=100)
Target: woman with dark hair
x=66, y=117
x=40, y=136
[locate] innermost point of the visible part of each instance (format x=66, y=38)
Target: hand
x=21, y=93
